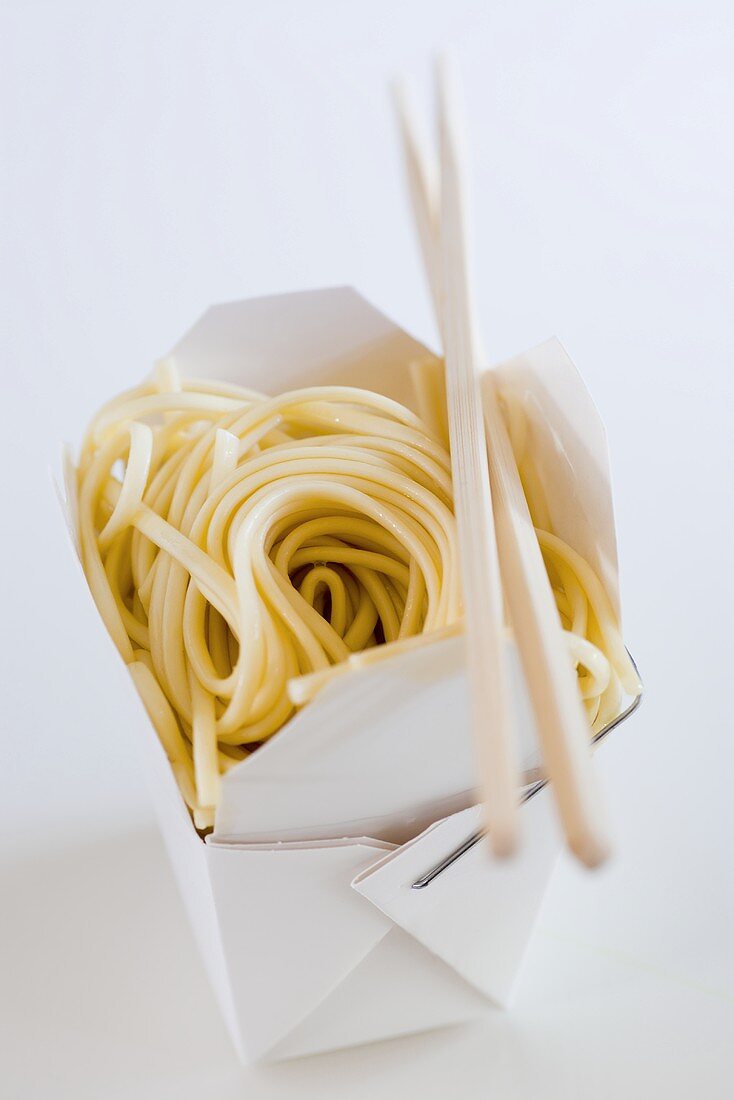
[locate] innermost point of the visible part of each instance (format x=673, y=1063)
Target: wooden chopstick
x=562, y=725
x=481, y=586
x=422, y=177
x=560, y=719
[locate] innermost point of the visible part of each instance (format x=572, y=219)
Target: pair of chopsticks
x=499, y=550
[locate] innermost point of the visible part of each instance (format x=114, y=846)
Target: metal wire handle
x=431, y=875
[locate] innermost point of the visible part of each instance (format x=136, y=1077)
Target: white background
x=158, y=157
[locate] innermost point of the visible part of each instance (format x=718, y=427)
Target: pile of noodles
x=241, y=549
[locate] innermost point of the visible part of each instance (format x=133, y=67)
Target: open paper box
x=301, y=899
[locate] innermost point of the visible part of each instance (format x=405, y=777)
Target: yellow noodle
x=255, y=547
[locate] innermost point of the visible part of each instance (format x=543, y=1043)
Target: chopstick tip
x=592, y=851
x=503, y=841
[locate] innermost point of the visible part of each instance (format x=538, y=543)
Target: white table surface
x=158, y=157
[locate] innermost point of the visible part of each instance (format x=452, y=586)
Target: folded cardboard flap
x=292, y=929
x=478, y=915
x=399, y=988
x=328, y=337
x=568, y=450
x=382, y=751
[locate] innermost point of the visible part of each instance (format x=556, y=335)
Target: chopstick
x=422, y=181
x=551, y=679
x=562, y=725
x=443, y=243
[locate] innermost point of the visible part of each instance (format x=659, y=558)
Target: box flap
x=567, y=445
x=383, y=751
x=399, y=988
x=310, y=338
x=291, y=927
x=479, y=913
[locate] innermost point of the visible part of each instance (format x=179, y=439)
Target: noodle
x=243, y=550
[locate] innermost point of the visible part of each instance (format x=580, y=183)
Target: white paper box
x=301, y=899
